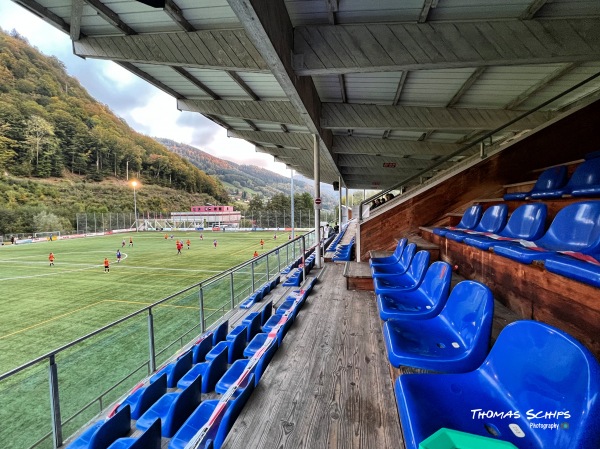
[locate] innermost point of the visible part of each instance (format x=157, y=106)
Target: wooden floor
x=329, y=384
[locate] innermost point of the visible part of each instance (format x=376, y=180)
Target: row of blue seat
x=427, y=325
x=534, y=375
x=344, y=252
x=570, y=246
x=552, y=183
x=333, y=245
x=214, y=363
x=260, y=293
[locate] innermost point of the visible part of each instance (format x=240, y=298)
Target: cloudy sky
x=147, y=109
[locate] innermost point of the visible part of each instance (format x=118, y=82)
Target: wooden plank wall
x=534, y=293
x=568, y=139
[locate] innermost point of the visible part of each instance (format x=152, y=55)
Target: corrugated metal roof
x=425, y=62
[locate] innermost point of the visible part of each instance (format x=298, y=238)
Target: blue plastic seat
x=576, y=227
x=235, y=371
x=142, y=398
x=586, y=271
x=425, y=302
x=273, y=322
x=253, y=323
x=257, y=343
x=407, y=281
x=551, y=179
x=468, y=221
x=394, y=269
x=237, y=339
x=492, y=221
x=526, y=223
x=295, y=279
x=220, y=333
x=585, y=181
x=218, y=432
x=150, y=439
x=172, y=409
x=175, y=370
x=210, y=371
x=395, y=257
x=455, y=341
x=266, y=312
x=201, y=347
x=532, y=369
x=103, y=433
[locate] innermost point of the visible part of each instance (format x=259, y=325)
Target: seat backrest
x=253, y=320
x=418, y=266
x=216, y=368
x=493, y=219
x=436, y=283
x=542, y=369
x=220, y=333
x=526, y=222
x=266, y=312
x=150, y=439
x=469, y=312
x=575, y=227
x=550, y=179
x=587, y=174
x=233, y=411
x=182, y=365
x=201, y=348
x=407, y=256
x=150, y=395
x=400, y=248
x=264, y=361
x=182, y=407
x=116, y=427
x=238, y=343
x=471, y=217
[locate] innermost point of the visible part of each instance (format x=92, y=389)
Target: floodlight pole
x=292, y=184
x=134, y=183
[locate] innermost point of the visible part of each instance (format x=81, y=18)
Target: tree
x=46, y=222
x=38, y=132
x=256, y=203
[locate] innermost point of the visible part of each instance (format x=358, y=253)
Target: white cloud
x=145, y=108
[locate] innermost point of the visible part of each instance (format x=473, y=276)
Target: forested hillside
x=50, y=126
x=238, y=178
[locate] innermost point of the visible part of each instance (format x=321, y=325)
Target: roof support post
x=317, y=178
x=340, y=204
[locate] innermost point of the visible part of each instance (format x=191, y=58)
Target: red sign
x=317, y=200
x=389, y=165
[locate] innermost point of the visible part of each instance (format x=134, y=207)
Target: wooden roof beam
x=264, y=111
x=110, y=16
x=368, y=116
x=427, y=6
x=269, y=27
x=532, y=9
x=196, y=82
x=213, y=49
x=45, y=14
x=175, y=13
x=288, y=140
x=541, y=85
x=76, y=13
x=242, y=84
x=145, y=76
x=466, y=86
x=390, y=147
x=438, y=45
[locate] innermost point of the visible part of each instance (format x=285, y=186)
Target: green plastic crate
x=453, y=439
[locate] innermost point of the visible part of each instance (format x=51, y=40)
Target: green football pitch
x=44, y=307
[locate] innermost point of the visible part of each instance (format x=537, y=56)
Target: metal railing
x=91, y=372
x=481, y=140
